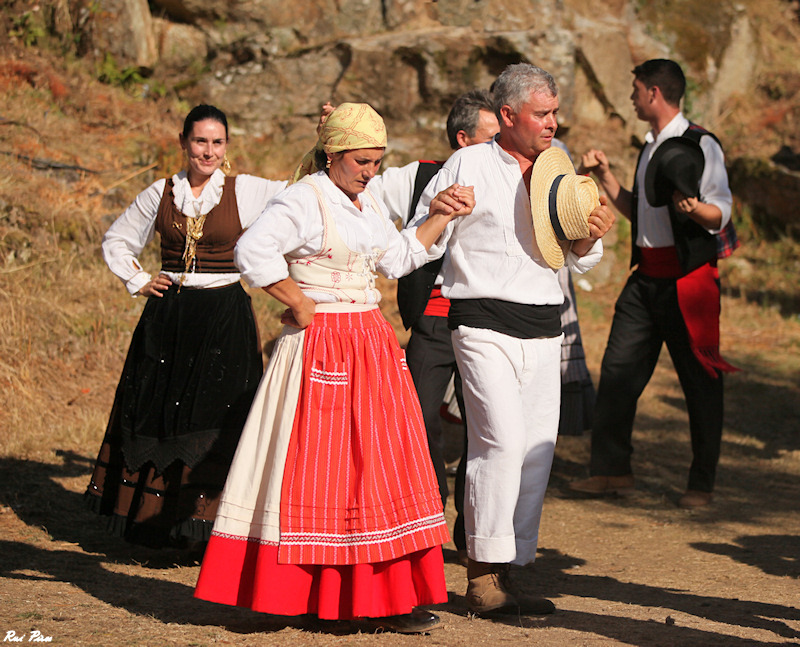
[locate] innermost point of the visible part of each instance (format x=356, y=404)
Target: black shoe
x=417, y=622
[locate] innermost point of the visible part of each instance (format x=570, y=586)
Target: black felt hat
x=677, y=164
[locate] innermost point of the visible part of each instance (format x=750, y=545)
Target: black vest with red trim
x=414, y=290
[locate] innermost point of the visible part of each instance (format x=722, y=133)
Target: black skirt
x=190, y=376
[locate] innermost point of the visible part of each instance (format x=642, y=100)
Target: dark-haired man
x=653, y=307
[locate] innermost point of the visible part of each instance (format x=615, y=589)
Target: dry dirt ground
x=635, y=571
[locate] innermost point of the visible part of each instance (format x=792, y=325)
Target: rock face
x=124, y=29
x=270, y=64
x=269, y=61
x=771, y=192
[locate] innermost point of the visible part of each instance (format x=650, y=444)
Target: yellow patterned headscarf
x=349, y=127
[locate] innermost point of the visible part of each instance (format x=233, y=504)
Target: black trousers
x=431, y=361
x=646, y=316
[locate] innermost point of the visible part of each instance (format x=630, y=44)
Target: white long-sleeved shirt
x=395, y=187
x=492, y=251
x=654, y=228
x=128, y=235
x=292, y=224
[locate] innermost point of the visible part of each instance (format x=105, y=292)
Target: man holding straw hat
x=532, y=216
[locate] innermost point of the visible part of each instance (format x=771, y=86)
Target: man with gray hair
x=506, y=333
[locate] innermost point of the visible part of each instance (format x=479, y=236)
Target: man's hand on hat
x=704, y=214
x=454, y=201
x=600, y=220
x=684, y=204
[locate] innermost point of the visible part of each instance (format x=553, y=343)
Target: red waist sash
x=698, y=300
x=438, y=306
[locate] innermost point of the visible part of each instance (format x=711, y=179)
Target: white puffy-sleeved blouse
x=292, y=224
x=128, y=235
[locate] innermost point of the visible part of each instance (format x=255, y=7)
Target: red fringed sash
x=698, y=300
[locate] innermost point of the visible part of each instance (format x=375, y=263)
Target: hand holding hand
x=454, y=201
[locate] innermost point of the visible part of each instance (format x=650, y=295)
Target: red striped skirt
x=338, y=514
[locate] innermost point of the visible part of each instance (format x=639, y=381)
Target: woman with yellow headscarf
x=332, y=507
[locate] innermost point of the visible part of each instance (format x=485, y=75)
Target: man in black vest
x=672, y=297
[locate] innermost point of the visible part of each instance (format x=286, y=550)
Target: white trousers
x=512, y=393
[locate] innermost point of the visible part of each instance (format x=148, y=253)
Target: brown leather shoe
x=695, y=499
x=485, y=589
x=605, y=485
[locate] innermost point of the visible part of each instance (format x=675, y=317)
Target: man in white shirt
x=507, y=335
x=654, y=306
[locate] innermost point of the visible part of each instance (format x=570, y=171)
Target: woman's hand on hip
x=156, y=287
x=301, y=315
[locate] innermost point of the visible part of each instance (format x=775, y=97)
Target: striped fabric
x=573, y=358
x=358, y=485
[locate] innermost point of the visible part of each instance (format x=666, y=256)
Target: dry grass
x=65, y=321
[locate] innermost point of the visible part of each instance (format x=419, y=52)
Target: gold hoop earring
x=226, y=165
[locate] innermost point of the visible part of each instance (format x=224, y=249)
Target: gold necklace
x=194, y=232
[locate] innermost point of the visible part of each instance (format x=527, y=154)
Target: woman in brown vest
x=194, y=362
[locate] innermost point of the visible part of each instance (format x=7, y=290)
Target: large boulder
x=411, y=78
x=313, y=21
x=771, y=192
x=182, y=47
x=736, y=69
x=500, y=15
x=124, y=29
x=603, y=52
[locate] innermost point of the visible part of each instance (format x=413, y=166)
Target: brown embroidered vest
x=220, y=233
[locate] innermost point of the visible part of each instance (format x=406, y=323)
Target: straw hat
x=561, y=203
x=676, y=164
